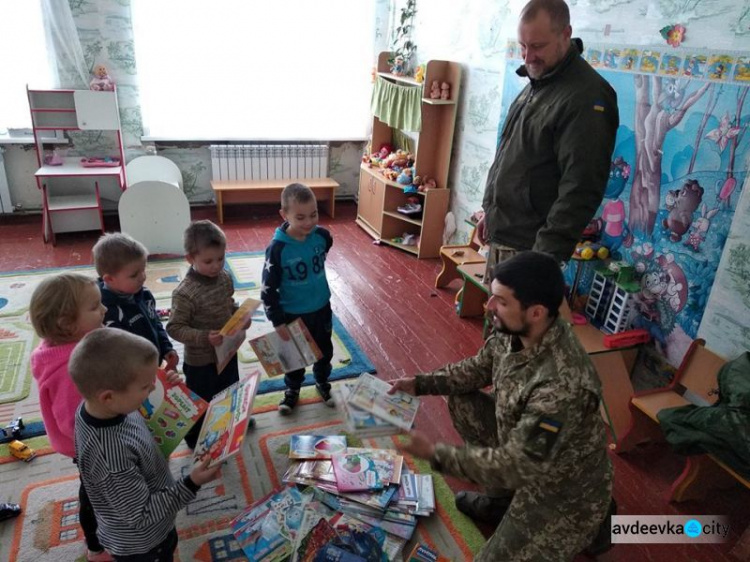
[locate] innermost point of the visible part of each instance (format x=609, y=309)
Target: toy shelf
x=431, y=101
x=402, y=79
x=403, y=217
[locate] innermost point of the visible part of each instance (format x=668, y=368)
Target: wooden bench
x=695, y=382
x=269, y=191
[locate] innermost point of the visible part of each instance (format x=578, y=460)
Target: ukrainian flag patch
x=542, y=438
x=599, y=106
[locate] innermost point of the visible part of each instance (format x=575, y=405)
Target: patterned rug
x=48, y=530
x=17, y=338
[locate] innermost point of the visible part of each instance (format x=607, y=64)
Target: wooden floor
x=386, y=300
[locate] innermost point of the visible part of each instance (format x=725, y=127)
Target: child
x=63, y=309
x=121, y=264
x=295, y=285
x=128, y=480
x=201, y=305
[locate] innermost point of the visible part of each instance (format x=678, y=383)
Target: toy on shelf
x=589, y=250
x=405, y=177
x=108, y=162
x=21, y=451
x=445, y=91
x=419, y=73
x=427, y=184
x=412, y=207
x=101, y=82
x=398, y=68
x=53, y=159
x=611, y=302
x=435, y=90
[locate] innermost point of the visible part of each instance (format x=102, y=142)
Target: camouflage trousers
x=543, y=523
x=498, y=253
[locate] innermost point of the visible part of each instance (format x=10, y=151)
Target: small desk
x=269, y=191
x=612, y=365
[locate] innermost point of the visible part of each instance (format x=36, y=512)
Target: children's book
x=286, y=349
x=170, y=411
x=408, y=493
x=226, y=420
x=233, y=333
x=388, y=463
x=371, y=395
x=316, y=446
x=355, y=473
x=423, y=553
x=357, y=420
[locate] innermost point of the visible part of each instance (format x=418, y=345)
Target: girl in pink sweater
x=63, y=309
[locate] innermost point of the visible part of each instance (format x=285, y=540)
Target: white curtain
x=63, y=46
x=239, y=70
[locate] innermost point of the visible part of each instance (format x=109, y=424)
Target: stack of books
x=350, y=504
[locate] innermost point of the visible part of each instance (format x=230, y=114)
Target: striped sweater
x=128, y=481
x=200, y=304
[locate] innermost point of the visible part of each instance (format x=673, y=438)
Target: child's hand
x=172, y=360
x=247, y=324
x=201, y=474
x=173, y=377
x=215, y=338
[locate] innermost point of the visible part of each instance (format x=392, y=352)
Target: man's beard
x=498, y=325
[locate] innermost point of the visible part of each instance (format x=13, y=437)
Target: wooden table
x=269, y=191
x=613, y=365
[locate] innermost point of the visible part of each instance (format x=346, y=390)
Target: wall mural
x=678, y=167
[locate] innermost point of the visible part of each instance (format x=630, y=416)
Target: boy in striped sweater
x=128, y=481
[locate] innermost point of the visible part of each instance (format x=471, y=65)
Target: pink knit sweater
x=58, y=396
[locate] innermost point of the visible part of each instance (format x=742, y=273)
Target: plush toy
x=445, y=91
x=435, y=90
x=427, y=184
x=404, y=178
x=398, y=69
x=390, y=174
x=101, y=82
x=419, y=74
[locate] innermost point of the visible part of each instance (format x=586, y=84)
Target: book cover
x=286, y=349
x=316, y=446
x=358, y=420
x=233, y=333
x=398, y=409
x=423, y=553
x=226, y=420
x=170, y=411
x=408, y=493
x=355, y=473
x=388, y=463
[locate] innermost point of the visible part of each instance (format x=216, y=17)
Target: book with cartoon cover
x=226, y=420
x=170, y=411
x=371, y=395
x=316, y=446
x=233, y=334
x=357, y=420
x=286, y=349
x=355, y=473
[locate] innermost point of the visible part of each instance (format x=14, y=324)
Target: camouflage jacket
x=547, y=410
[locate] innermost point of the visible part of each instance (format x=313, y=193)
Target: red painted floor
x=386, y=300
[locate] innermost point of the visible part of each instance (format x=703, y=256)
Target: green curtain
x=397, y=106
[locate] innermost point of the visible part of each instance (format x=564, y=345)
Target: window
x=23, y=60
x=238, y=70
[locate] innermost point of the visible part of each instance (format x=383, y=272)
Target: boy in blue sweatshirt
x=295, y=285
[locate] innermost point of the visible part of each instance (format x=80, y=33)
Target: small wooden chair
x=453, y=256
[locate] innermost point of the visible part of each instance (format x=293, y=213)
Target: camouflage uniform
x=497, y=253
x=537, y=435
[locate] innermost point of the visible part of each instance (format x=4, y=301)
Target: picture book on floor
x=233, y=334
x=371, y=394
x=226, y=420
x=316, y=446
x=286, y=349
x=355, y=472
x=357, y=420
x=170, y=411
x=423, y=553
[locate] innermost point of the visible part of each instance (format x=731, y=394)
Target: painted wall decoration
x=679, y=163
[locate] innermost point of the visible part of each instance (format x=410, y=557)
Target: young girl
x=64, y=308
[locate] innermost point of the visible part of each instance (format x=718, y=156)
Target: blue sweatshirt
x=294, y=275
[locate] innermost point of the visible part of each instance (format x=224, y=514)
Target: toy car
x=21, y=451
x=9, y=510
x=13, y=429
x=590, y=250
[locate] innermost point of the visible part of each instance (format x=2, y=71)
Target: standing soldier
x=536, y=442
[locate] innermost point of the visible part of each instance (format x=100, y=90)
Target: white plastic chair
x=153, y=168
x=156, y=214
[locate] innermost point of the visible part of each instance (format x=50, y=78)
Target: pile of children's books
x=351, y=504
x=368, y=409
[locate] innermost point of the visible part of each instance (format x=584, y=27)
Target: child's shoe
x=324, y=390
x=102, y=556
x=251, y=424
x=289, y=402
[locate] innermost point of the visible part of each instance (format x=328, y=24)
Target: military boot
x=481, y=507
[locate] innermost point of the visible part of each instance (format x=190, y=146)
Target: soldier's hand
x=419, y=446
x=482, y=230
x=405, y=384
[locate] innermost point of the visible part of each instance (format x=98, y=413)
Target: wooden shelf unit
x=379, y=198
x=73, y=110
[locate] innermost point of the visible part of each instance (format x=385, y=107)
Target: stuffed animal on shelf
x=445, y=91
x=398, y=68
x=405, y=177
x=419, y=74
x=435, y=90
x=427, y=184
x=101, y=82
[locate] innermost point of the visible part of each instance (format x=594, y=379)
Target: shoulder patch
x=542, y=438
x=599, y=106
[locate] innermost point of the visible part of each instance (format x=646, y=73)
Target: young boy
x=120, y=262
x=201, y=305
x=295, y=285
x=127, y=479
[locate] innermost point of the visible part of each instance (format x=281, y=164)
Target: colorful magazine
x=226, y=420
x=286, y=349
x=388, y=463
x=233, y=333
x=355, y=473
x=423, y=553
x=357, y=420
x=371, y=395
x=316, y=446
x=170, y=411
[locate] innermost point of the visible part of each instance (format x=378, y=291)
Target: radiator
x=268, y=161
